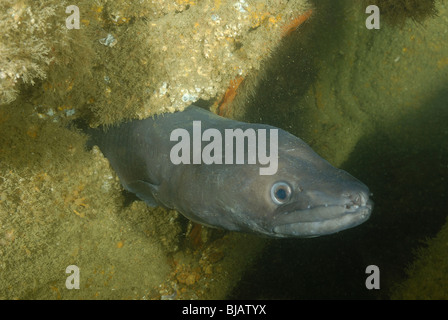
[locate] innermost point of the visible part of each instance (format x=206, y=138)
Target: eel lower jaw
x=322, y=220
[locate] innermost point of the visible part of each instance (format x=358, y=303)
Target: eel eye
x=281, y=192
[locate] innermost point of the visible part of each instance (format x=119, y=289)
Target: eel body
x=295, y=194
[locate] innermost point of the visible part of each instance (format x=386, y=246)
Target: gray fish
x=306, y=197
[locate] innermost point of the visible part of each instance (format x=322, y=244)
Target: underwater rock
x=134, y=60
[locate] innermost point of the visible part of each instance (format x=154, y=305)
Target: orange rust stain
x=56, y=290
x=32, y=132
x=224, y=104
x=229, y=96
x=295, y=23
x=195, y=235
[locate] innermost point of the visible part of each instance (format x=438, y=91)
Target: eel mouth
x=322, y=220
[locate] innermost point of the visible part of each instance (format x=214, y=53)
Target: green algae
x=428, y=275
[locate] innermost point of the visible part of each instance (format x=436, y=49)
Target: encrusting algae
x=134, y=60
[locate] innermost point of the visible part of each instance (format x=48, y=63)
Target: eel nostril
x=356, y=199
